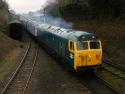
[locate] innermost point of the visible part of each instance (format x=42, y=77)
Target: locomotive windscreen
x=94, y=45
x=81, y=45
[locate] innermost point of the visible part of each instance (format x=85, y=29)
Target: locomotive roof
x=70, y=34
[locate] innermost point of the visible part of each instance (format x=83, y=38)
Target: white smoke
x=44, y=16
x=57, y=21
x=48, y=2
x=40, y=18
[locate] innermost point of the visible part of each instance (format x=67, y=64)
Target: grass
x=1, y=61
x=9, y=52
x=8, y=67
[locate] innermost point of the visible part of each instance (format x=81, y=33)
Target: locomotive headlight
x=83, y=37
x=93, y=37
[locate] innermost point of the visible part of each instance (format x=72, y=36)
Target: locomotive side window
x=71, y=45
x=82, y=45
x=94, y=45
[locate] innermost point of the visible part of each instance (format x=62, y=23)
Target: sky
x=24, y=6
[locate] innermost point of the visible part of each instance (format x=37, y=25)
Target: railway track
x=19, y=81
x=98, y=85
x=119, y=66
x=115, y=65
x=106, y=83
x=114, y=75
x=114, y=71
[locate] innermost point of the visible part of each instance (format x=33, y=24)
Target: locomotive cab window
x=82, y=45
x=71, y=47
x=95, y=45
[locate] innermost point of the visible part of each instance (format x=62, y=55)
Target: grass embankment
x=9, y=51
x=112, y=34
x=3, y=20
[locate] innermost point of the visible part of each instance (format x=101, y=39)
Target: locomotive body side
x=56, y=45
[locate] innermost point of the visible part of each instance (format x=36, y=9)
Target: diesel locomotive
x=81, y=50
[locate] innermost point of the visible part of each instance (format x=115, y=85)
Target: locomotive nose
x=93, y=59
x=88, y=59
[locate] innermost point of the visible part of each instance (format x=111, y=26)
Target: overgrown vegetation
x=3, y=16
x=1, y=61
x=93, y=9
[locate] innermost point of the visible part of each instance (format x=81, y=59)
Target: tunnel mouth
x=16, y=31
